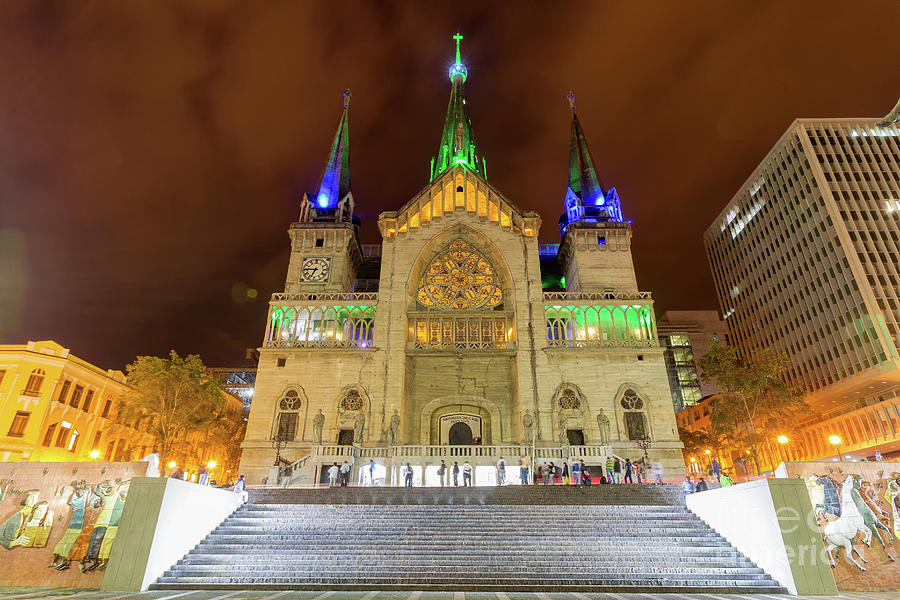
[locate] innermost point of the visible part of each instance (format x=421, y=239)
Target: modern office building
x=686, y=336
x=805, y=260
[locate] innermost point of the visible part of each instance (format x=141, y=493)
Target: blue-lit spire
x=334, y=184
x=586, y=200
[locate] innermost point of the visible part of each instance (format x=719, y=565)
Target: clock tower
x=325, y=252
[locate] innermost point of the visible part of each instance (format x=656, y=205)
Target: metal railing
x=604, y=295
x=326, y=297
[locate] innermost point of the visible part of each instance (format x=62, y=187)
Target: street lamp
x=835, y=440
x=783, y=439
x=643, y=443
x=95, y=454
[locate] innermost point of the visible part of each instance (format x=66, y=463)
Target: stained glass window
x=352, y=400
x=631, y=401
x=569, y=400
x=459, y=278
x=290, y=401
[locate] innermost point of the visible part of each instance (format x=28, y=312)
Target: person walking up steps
x=576, y=473
x=610, y=477
x=409, y=475
x=656, y=470
x=455, y=473
x=467, y=474
x=639, y=470
x=627, y=478
x=345, y=474
x=333, y=472
x=687, y=487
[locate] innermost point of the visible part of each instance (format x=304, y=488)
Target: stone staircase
x=623, y=538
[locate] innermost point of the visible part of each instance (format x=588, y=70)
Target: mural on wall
x=61, y=516
x=857, y=509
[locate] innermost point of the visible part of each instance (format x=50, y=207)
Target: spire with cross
x=457, y=140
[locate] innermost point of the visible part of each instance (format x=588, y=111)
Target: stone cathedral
x=459, y=337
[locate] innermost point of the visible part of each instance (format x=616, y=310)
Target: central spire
x=457, y=140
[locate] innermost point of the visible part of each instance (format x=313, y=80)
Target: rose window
x=569, y=400
x=290, y=401
x=631, y=401
x=352, y=401
x=459, y=278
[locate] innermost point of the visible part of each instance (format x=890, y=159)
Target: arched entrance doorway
x=460, y=435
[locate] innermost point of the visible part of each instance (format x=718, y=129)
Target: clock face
x=315, y=269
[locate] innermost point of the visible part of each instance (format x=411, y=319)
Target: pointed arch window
x=288, y=415
x=459, y=278
x=635, y=421
x=569, y=400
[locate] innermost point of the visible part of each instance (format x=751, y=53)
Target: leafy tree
x=173, y=396
x=755, y=403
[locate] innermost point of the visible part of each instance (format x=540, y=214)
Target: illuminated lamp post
x=95, y=454
x=644, y=443
x=782, y=440
x=835, y=440
x=211, y=465
x=708, y=454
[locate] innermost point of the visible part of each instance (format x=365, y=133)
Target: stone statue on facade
x=528, y=426
x=394, y=428
x=603, y=425
x=359, y=427
x=561, y=422
x=318, y=422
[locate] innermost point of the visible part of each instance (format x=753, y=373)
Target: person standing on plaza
x=617, y=470
x=467, y=474
x=442, y=472
x=409, y=475
x=725, y=480
x=586, y=474
x=552, y=471
x=455, y=473
x=372, y=472
x=610, y=477
x=345, y=474
x=333, y=472
x=523, y=470
x=501, y=471
x=656, y=471
x=639, y=470
x=687, y=487
x=701, y=485
x=565, y=473
x=627, y=478
x=716, y=467
x=576, y=473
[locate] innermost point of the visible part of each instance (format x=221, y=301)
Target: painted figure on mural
x=77, y=502
x=359, y=427
x=318, y=422
x=103, y=492
x=114, y=517
x=603, y=425
x=15, y=529
x=528, y=427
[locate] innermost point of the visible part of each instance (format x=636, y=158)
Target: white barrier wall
x=163, y=520
x=769, y=522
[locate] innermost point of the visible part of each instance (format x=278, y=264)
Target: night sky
x=153, y=154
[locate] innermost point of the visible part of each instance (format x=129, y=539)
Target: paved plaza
x=61, y=594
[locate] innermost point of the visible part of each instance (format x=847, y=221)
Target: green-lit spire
x=457, y=140
x=583, y=178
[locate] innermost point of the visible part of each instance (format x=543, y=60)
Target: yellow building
x=55, y=406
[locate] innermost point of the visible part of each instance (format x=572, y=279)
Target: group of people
x=339, y=475
x=578, y=473
x=690, y=486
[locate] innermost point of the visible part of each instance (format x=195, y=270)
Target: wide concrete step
x=622, y=552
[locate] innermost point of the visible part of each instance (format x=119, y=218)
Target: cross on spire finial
x=347, y=95
x=458, y=37
x=571, y=98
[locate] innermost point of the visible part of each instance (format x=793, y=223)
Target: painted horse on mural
x=892, y=495
x=842, y=532
x=869, y=519
x=831, y=504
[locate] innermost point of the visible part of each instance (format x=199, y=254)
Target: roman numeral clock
x=315, y=270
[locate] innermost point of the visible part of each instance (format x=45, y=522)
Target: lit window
x=459, y=278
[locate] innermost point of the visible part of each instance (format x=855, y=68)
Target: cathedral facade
x=459, y=337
